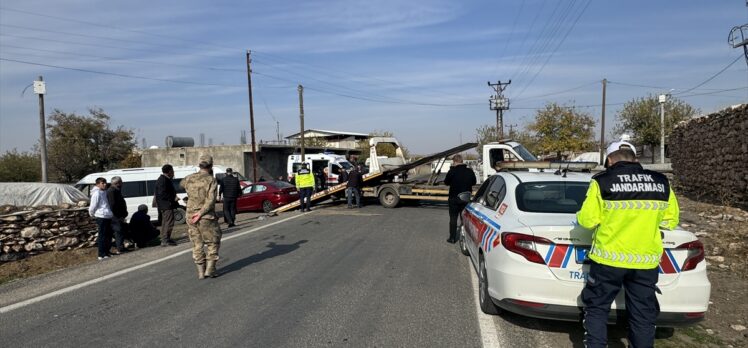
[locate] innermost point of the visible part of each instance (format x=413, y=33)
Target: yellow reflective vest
x=626, y=206
x=304, y=179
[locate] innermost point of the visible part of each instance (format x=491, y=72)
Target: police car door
x=484, y=232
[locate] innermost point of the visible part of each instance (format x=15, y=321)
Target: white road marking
x=489, y=335
x=33, y=300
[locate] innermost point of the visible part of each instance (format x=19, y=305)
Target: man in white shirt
x=100, y=210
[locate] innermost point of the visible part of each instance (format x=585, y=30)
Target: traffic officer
x=305, y=183
x=626, y=206
x=202, y=223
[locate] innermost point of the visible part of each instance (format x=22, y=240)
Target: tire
x=180, y=216
x=388, y=197
x=664, y=332
x=486, y=304
x=267, y=206
x=463, y=246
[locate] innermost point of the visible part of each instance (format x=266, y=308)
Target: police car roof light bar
x=559, y=165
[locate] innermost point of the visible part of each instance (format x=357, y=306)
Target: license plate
x=581, y=254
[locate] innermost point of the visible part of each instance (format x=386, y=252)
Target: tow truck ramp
x=323, y=194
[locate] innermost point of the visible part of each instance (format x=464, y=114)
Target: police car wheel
x=180, y=216
x=267, y=206
x=486, y=304
x=463, y=246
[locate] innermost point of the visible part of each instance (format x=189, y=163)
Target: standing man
x=305, y=184
x=99, y=209
x=230, y=191
x=202, y=222
x=460, y=179
x=166, y=201
x=353, y=188
x=119, y=209
x=626, y=206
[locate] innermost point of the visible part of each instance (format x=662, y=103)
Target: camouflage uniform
x=201, y=190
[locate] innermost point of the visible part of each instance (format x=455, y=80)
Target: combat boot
x=210, y=269
x=200, y=270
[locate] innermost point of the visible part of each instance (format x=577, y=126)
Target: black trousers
x=455, y=208
x=305, y=195
x=167, y=224
x=229, y=210
x=104, y=237
x=119, y=226
x=603, y=284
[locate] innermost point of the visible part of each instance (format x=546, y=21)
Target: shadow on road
x=275, y=250
x=616, y=333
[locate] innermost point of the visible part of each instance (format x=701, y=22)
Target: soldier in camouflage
x=202, y=222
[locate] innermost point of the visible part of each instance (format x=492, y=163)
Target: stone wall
x=710, y=156
x=29, y=231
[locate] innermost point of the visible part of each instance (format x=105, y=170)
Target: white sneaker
x=103, y=257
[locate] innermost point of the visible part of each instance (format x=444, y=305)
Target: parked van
x=139, y=186
x=319, y=161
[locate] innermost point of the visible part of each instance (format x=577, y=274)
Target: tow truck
x=392, y=179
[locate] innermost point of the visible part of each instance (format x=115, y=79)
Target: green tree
x=484, y=135
x=640, y=118
x=133, y=160
x=558, y=128
x=79, y=145
x=20, y=167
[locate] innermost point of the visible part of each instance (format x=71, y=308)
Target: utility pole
x=40, y=88
x=499, y=103
x=511, y=129
x=251, y=116
x=301, y=118
x=602, y=125
x=277, y=131
x=662, y=99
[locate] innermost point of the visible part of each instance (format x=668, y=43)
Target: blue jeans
x=350, y=192
x=603, y=284
x=104, y=238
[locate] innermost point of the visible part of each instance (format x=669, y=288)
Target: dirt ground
x=723, y=230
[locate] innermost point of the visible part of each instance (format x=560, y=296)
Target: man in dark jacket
x=141, y=228
x=119, y=209
x=230, y=191
x=166, y=201
x=354, y=186
x=460, y=179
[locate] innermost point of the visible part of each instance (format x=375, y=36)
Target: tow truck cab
x=504, y=151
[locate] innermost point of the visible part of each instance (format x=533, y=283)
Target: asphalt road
x=373, y=277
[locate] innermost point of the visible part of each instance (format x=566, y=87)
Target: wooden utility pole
x=40, y=89
x=602, y=125
x=251, y=117
x=511, y=129
x=301, y=118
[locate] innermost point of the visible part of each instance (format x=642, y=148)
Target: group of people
x=109, y=209
x=616, y=232
x=306, y=183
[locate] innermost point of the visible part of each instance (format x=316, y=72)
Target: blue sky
x=418, y=68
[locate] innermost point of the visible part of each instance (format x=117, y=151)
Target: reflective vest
x=304, y=178
x=626, y=206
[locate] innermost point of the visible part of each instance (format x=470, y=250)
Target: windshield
x=526, y=155
x=345, y=164
x=564, y=197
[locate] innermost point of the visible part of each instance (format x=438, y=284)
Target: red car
x=266, y=196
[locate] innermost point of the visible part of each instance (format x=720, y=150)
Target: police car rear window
x=551, y=197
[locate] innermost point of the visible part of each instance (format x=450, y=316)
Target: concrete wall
x=271, y=159
x=710, y=156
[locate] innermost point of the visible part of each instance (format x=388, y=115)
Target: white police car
x=521, y=235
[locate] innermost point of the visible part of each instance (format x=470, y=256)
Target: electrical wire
x=713, y=76
x=117, y=74
x=558, y=92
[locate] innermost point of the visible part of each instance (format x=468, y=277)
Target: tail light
x=695, y=254
x=524, y=245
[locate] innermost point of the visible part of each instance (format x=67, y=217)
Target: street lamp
x=662, y=99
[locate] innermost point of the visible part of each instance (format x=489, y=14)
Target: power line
x=712, y=77
x=559, y=92
x=118, y=74
x=655, y=87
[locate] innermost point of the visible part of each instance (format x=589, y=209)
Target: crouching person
x=202, y=223
x=142, y=230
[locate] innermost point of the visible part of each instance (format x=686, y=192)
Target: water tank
x=172, y=141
